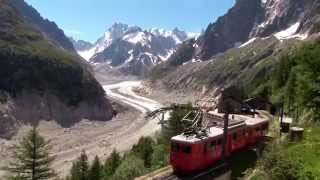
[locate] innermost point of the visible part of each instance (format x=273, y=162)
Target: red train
x=191, y=153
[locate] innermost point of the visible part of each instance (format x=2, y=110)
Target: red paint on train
x=191, y=154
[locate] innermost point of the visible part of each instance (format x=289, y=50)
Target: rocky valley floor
x=100, y=138
x=96, y=138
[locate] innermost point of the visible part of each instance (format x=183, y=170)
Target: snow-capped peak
x=134, y=35
x=264, y=1
x=138, y=37
x=115, y=32
x=177, y=35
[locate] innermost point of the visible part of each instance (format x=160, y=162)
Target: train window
x=235, y=136
x=265, y=126
x=219, y=142
x=186, y=149
x=205, y=148
x=175, y=147
x=212, y=144
x=239, y=135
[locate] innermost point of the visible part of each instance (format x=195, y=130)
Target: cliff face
x=32, y=108
x=241, y=47
x=80, y=45
x=40, y=81
x=280, y=14
x=230, y=29
x=257, y=18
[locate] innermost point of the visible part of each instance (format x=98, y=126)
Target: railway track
x=168, y=174
x=168, y=177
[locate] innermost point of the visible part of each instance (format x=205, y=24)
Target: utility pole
x=225, y=135
x=227, y=109
x=281, y=118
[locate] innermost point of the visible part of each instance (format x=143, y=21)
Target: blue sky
x=88, y=19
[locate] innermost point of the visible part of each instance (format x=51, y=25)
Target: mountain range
x=241, y=47
x=40, y=65
x=257, y=18
x=132, y=49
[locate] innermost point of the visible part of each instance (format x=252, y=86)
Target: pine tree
x=175, y=126
x=95, y=170
x=80, y=168
x=144, y=150
x=111, y=164
x=33, y=159
x=74, y=172
x=159, y=156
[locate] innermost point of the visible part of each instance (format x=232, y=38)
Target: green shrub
x=144, y=150
x=159, y=157
x=130, y=168
x=284, y=160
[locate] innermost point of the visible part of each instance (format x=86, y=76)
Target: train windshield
x=186, y=149
x=176, y=147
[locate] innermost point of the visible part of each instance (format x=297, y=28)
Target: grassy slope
x=286, y=160
x=30, y=63
x=238, y=66
x=254, y=67
x=295, y=81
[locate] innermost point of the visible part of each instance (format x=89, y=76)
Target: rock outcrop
x=258, y=18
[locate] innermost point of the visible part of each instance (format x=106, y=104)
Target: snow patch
x=152, y=57
x=165, y=58
x=193, y=35
x=87, y=54
x=248, y=42
x=195, y=45
x=100, y=45
x=131, y=56
x=196, y=60
x=264, y=1
x=169, y=33
x=288, y=32
x=134, y=38
x=192, y=61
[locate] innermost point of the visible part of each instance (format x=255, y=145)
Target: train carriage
x=257, y=129
x=192, y=153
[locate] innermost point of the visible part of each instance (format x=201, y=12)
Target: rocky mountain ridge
x=80, y=45
x=134, y=50
x=257, y=18
x=241, y=47
x=49, y=29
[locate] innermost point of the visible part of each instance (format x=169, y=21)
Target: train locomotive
x=193, y=152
